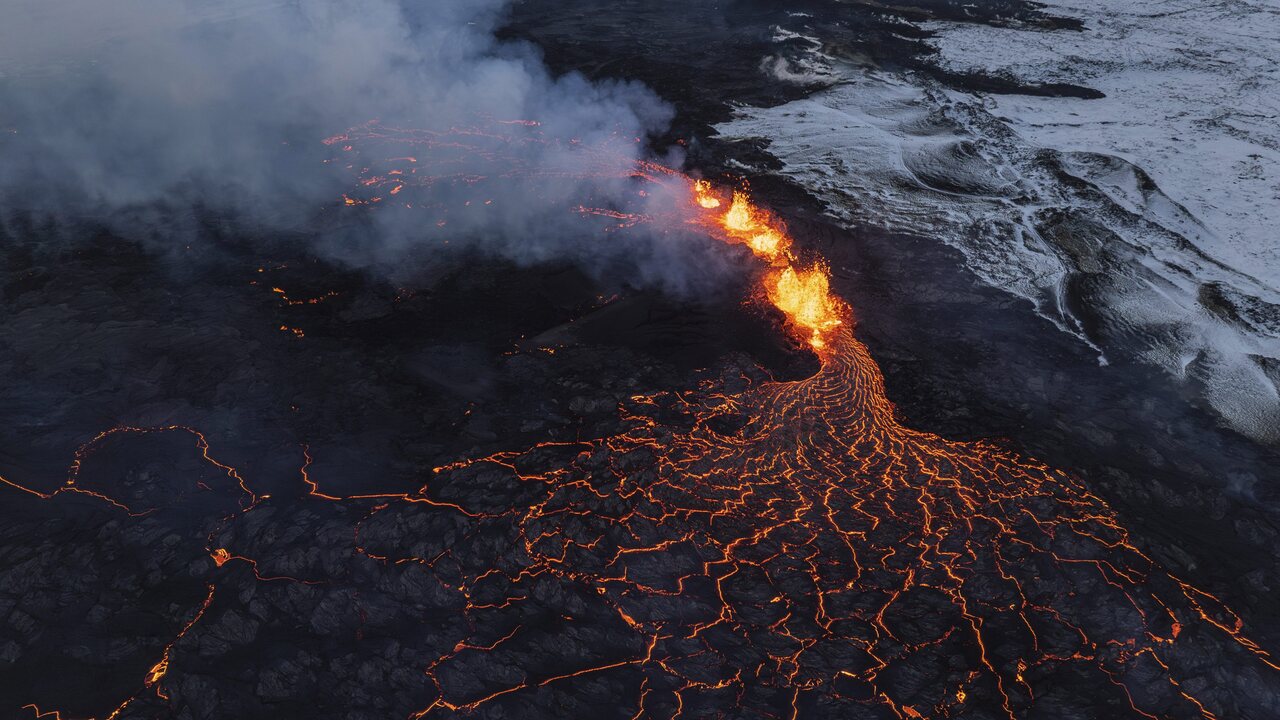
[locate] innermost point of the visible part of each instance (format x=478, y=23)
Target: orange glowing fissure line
x=803, y=294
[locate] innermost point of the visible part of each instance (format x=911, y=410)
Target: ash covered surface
x=215, y=561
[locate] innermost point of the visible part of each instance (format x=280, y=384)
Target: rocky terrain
x=246, y=477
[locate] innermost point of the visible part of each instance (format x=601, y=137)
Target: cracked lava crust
x=746, y=548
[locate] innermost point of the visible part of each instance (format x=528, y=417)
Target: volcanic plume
x=175, y=115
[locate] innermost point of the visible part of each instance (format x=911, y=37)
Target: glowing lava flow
x=751, y=548
x=802, y=294
x=826, y=549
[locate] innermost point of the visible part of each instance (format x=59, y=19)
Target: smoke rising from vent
x=133, y=114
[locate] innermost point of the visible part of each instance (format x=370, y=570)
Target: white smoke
x=113, y=110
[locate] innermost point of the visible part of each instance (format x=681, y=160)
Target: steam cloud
x=124, y=111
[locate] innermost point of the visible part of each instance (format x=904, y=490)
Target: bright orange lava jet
x=802, y=294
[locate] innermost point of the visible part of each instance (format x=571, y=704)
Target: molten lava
x=852, y=521
x=804, y=296
x=702, y=193
x=746, y=223
x=763, y=549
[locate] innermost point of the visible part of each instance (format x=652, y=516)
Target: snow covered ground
x=1193, y=98
x=1144, y=223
